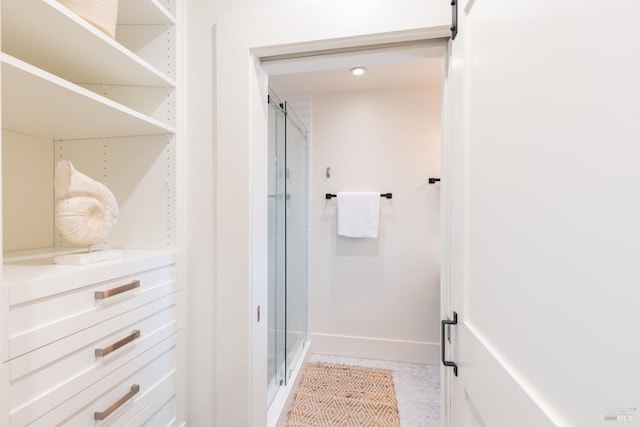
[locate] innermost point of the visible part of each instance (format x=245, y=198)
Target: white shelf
x=143, y=12
x=32, y=272
x=38, y=103
x=48, y=35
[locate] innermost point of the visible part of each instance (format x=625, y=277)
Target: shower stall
x=287, y=273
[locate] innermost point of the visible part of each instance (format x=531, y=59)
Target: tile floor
x=417, y=388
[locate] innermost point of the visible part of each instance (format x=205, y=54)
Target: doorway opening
x=374, y=302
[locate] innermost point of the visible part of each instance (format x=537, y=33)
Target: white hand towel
x=358, y=214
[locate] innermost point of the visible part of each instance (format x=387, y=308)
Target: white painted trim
x=445, y=227
x=376, y=348
x=348, y=57
x=353, y=42
x=237, y=148
x=279, y=409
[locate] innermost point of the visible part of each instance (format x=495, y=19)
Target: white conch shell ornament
x=86, y=210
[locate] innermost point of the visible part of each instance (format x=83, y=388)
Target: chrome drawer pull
x=101, y=352
x=118, y=290
x=135, y=388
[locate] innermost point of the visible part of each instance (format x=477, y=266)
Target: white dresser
x=104, y=343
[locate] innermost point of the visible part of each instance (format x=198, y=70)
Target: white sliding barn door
x=541, y=185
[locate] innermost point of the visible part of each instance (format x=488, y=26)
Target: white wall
x=225, y=299
x=200, y=121
x=27, y=193
x=377, y=298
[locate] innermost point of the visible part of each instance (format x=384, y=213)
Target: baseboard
x=376, y=348
x=279, y=408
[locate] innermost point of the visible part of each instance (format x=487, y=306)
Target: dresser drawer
x=162, y=408
x=50, y=375
x=132, y=385
x=36, y=323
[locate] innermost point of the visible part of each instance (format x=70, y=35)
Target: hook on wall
x=328, y=172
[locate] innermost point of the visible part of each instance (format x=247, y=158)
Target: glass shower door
x=276, y=340
x=287, y=240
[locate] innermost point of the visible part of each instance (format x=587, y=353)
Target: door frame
x=288, y=59
x=445, y=232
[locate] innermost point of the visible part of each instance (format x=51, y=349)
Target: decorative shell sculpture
x=86, y=210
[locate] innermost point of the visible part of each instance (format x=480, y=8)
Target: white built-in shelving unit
x=110, y=106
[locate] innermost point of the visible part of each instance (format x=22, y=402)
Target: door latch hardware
x=442, y=342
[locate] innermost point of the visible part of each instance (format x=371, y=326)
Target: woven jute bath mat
x=344, y=396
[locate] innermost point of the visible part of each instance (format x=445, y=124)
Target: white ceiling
x=396, y=65
x=412, y=73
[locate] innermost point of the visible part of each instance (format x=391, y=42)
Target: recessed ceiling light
x=358, y=71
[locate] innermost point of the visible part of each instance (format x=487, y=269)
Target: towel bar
x=330, y=196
